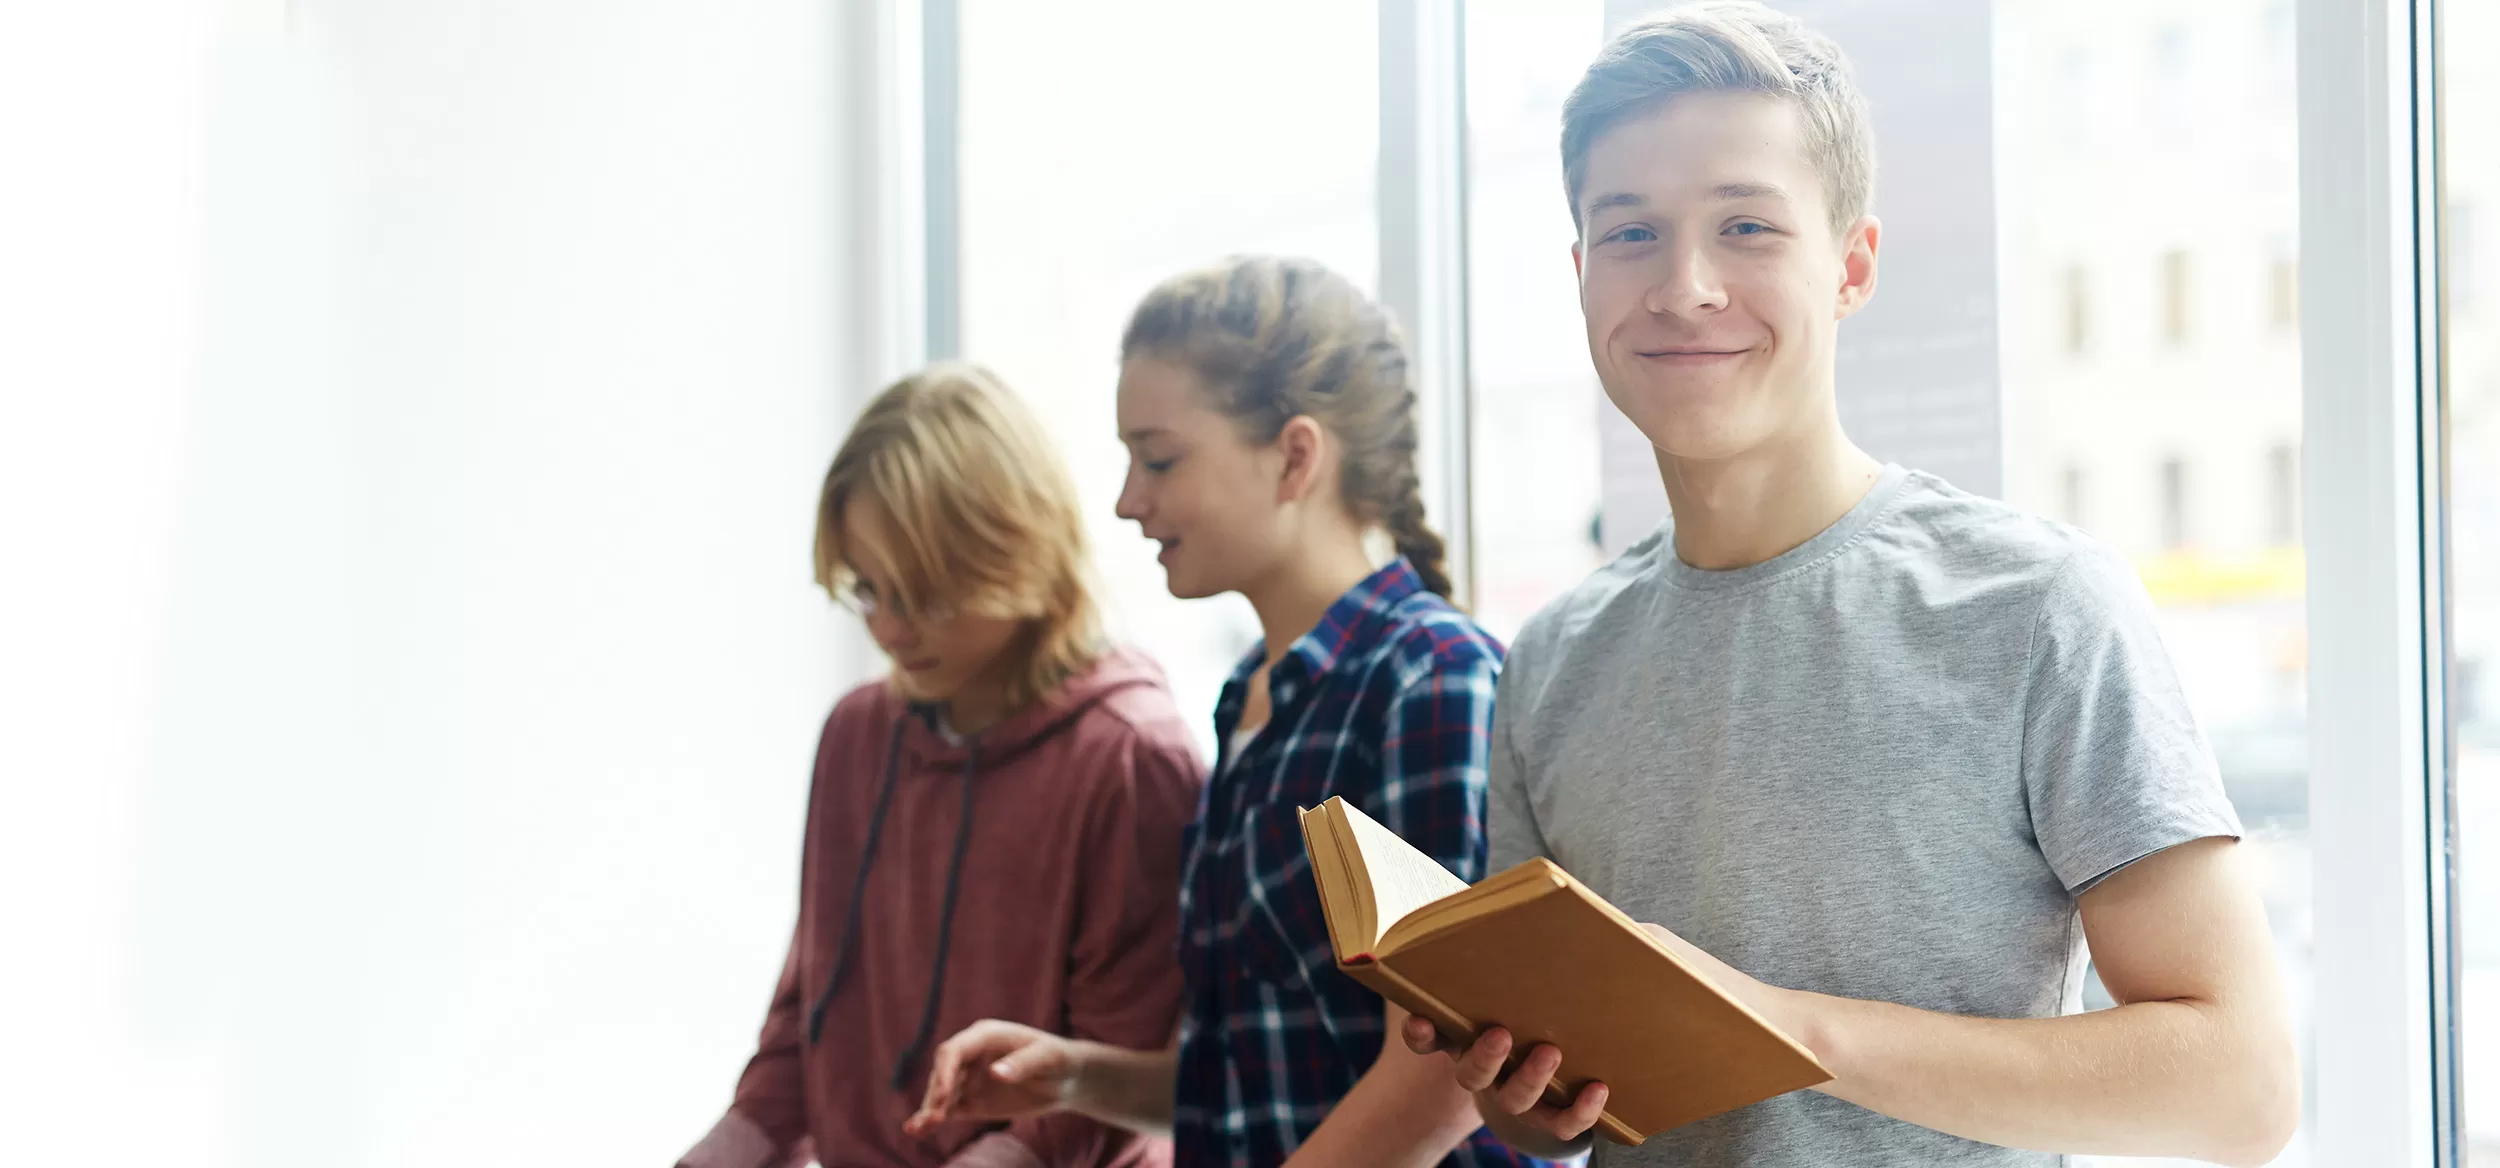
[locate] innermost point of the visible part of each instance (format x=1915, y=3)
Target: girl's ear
x=1303, y=443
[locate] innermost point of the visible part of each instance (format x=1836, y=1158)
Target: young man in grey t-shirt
x=1880, y=756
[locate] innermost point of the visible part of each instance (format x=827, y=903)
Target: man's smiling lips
x=1689, y=354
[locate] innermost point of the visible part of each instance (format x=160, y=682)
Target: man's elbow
x=2260, y=1141
x=2261, y=1120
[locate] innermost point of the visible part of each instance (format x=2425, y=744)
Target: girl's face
x=1221, y=506
x=941, y=655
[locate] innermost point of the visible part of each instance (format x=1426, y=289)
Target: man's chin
x=1690, y=421
x=1686, y=437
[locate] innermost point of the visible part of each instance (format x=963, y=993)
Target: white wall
x=408, y=659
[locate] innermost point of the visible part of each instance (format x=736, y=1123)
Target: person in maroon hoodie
x=994, y=830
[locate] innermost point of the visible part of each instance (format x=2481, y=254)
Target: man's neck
x=1737, y=512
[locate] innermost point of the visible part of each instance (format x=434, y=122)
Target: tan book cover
x=1535, y=951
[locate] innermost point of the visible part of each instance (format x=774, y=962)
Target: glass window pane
x=1536, y=401
x=1107, y=144
x=2152, y=364
x=2472, y=163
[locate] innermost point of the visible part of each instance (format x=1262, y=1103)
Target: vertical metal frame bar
x=2439, y=650
x=1423, y=246
x=941, y=220
x=2378, y=799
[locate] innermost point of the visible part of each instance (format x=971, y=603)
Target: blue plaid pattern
x=1387, y=702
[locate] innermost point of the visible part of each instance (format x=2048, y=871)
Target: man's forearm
x=2151, y=1078
x=1127, y=1088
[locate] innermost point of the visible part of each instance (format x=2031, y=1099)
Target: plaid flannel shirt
x=1387, y=702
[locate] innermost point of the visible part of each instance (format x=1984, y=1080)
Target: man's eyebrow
x=1724, y=192
x=1748, y=190
x=1616, y=199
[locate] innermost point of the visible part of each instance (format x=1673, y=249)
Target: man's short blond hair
x=1729, y=46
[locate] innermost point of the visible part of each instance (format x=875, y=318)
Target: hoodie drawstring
x=859, y=886
x=946, y=919
x=849, y=948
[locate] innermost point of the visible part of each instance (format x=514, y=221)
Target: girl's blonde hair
x=1277, y=338
x=980, y=514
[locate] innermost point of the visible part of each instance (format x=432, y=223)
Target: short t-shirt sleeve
x=1510, y=816
x=2114, y=764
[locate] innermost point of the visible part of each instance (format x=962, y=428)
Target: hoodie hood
x=1118, y=669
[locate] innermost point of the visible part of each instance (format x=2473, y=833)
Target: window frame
x=1423, y=250
x=2374, y=529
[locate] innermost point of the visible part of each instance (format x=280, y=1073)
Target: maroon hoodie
x=1065, y=879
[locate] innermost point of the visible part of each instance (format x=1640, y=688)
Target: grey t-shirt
x=1881, y=765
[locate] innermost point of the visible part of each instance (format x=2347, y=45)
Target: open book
x=1535, y=951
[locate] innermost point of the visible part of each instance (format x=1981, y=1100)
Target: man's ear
x=1857, y=265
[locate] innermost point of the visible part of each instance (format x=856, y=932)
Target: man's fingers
x=1526, y=1086
x=1421, y=1036
x=1482, y=1064
x=1584, y=1112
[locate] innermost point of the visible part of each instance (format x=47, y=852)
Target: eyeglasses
x=862, y=598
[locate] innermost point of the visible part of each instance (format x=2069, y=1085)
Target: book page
x=1502, y=890
x=1402, y=878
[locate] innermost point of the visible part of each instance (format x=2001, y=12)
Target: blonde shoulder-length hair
x=980, y=514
